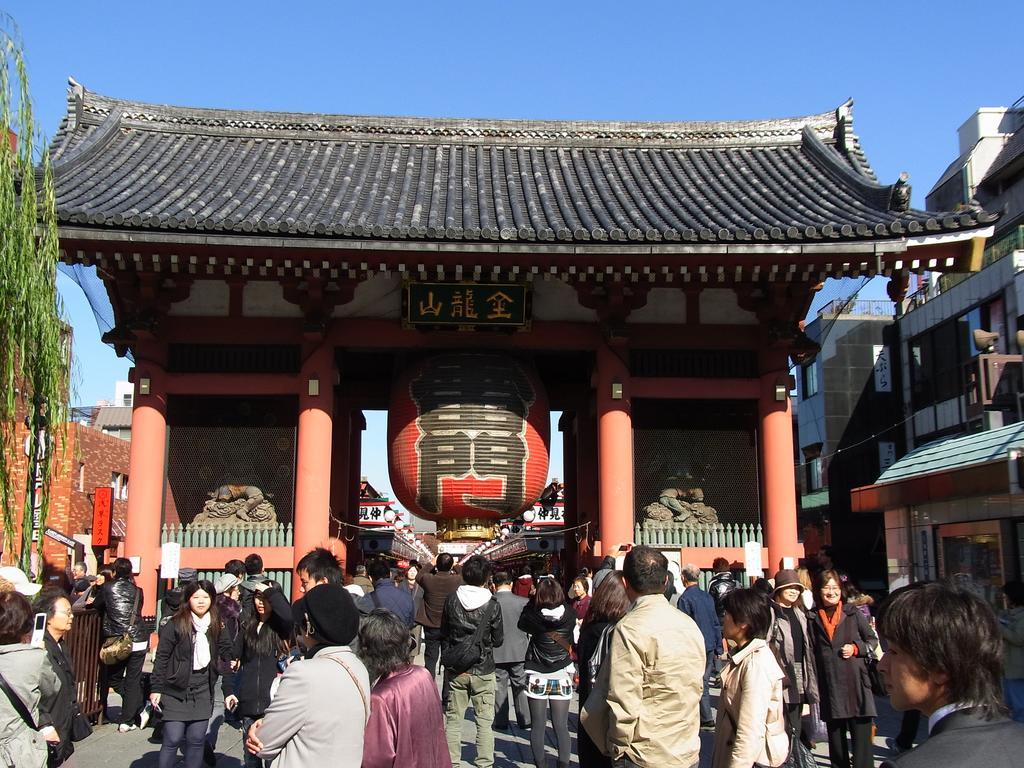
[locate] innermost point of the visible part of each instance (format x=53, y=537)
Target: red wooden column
x=146, y=468
x=313, y=460
x=586, y=475
x=614, y=448
x=340, y=480
x=570, y=554
x=777, y=465
x=355, y=460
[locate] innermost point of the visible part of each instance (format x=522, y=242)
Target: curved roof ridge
x=93, y=107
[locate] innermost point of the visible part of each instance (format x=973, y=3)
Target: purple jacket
x=406, y=726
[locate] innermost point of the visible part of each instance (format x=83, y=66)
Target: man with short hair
x=944, y=658
x=387, y=595
x=80, y=580
x=657, y=662
x=253, y=575
x=236, y=568
x=721, y=584
x=700, y=606
x=471, y=627
x=361, y=580
x=510, y=656
x=436, y=589
x=318, y=566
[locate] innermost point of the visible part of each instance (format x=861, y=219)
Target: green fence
x=716, y=535
x=281, y=536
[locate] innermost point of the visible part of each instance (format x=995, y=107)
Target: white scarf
x=200, y=644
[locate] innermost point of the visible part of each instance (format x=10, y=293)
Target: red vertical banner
x=102, y=511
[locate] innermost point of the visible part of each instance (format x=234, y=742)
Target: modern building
x=273, y=275
x=849, y=403
x=952, y=505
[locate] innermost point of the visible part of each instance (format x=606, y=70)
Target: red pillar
x=313, y=460
x=777, y=469
x=570, y=553
x=355, y=460
x=340, y=481
x=146, y=469
x=614, y=449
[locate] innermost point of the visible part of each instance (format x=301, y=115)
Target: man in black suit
x=944, y=658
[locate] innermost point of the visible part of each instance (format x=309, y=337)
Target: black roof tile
x=142, y=166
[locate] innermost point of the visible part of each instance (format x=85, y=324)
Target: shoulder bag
x=355, y=681
x=117, y=649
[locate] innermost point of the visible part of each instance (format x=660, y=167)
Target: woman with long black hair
x=185, y=673
x=264, y=642
x=550, y=621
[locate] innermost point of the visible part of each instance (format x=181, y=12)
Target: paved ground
x=107, y=748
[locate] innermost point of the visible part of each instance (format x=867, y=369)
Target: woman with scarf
x=265, y=635
x=550, y=622
x=185, y=673
x=842, y=641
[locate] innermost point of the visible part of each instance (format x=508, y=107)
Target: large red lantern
x=468, y=437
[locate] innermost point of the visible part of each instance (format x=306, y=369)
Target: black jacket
x=721, y=584
x=546, y=653
x=964, y=738
x=458, y=625
x=116, y=600
x=258, y=670
x=61, y=709
x=172, y=668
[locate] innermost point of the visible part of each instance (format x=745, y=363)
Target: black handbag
x=80, y=726
x=875, y=678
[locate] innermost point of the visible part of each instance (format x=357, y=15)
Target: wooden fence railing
x=717, y=535
x=191, y=536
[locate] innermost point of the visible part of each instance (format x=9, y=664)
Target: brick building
x=89, y=459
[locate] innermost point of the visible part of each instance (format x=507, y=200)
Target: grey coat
x=27, y=671
x=802, y=681
x=516, y=641
x=319, y=714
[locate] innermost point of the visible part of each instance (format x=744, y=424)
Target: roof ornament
x=76, y=91
x=899, y=197
x=844, y=117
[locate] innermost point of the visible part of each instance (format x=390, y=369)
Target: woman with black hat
x=323, y=702
x=791, y=642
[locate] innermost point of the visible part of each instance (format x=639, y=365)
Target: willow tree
x=34, y=353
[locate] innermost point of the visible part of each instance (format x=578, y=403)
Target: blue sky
x=916, y=70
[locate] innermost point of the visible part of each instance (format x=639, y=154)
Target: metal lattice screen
x=708, y=444
x=239, y=441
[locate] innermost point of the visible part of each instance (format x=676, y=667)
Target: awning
x=953, y=468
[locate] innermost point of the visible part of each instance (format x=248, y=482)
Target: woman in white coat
x=751, y=726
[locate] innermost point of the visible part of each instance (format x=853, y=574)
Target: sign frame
x=471, y=300
x=102, y=515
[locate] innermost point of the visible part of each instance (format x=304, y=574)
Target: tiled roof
x=1012, y=151
x=956, y=453
x=113, y=417
x=128, y=165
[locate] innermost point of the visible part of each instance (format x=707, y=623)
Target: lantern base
x=477, y=528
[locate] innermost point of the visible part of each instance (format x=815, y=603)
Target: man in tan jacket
x=657, y=673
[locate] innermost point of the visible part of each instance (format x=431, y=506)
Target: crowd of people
x=638, y=644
